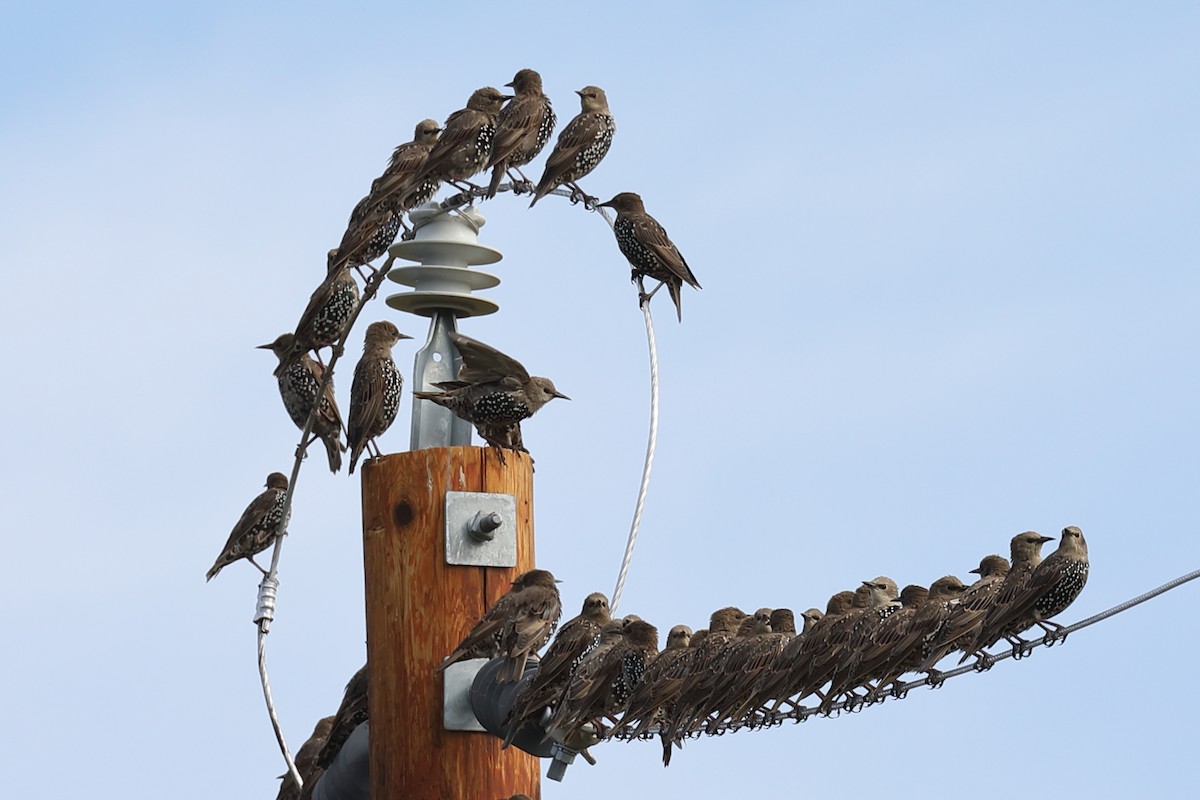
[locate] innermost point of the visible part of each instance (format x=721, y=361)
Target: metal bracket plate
x=456, y=695
x=464, y=510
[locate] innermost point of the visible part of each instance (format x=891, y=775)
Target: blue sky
x=950, y=293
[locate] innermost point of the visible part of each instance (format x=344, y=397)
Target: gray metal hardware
x=481, y=529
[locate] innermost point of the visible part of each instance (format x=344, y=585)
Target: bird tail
x=212, y=573
x=437, y=397
x=497, y=177
x=676, y=297
x=355, y=453
x=511, y=670
x=333, y=449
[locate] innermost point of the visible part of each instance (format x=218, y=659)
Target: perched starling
x=575, y=638
x=880, y=642
x=650, y=252
x=516, y=626
x=256, y=529
x=522, y=129
x=723, y=625
x=299, y=378
x=915, y=645
x=407, y=161
x=353, y=712
x=604, y=681
x=580, y=146
x=494, y=393
x=375, y=392
x=660, y=682
x=966, y=616
x=748, y=658
x=369, y=233
x=1052, y=586
x=1026, y=553
x=328, y=312
x=306, y=761
x=466, y=141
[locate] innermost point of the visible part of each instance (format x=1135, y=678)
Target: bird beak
x=560, y=394
x=265, y=347
x=976, y=571
x=1047, y=539
x=507, y=96
x=511, y=83
x=579, y=92
x=405, y=336
x=867, y=583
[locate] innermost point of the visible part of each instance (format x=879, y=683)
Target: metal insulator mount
x=264, y=610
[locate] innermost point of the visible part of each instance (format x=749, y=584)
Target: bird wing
x=518, y=118
x=328, y=409
x=251, y=518
x=580, y=132
x=483, y=363
x=460, y=130
x=365, y=221
x=366, y=399
x=654, y=237
x=407, y=160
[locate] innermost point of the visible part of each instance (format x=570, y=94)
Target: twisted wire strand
x=900, y=692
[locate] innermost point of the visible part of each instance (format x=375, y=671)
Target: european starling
x=328, y=312
x=1026, y=552
x=660, y=683
x=353, y=711
x=914, y=647
x=522, y=129
x=375, y=392
x=722, y=671
x=299, y=378
x=256, y=529
x=764, y=684
x=580, y=146
x=723, y=625
x=650, y=252
x=967, y=615
x=604, y=681
x=306, y=761
x=494, y=393
x=575, y=638
x=369, y=233
x=876, y=651
x=793, y=666
x=466, y=141
x=748, y=659
x=1052, y=586
x=516, y=626
x=407, y=161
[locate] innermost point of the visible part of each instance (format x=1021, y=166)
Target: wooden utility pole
x=419, y=608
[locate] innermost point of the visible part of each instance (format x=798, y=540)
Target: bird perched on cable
x=1025, y=551
x=575, y=637
x=650, y=252
x=306, y=761
x=522, y=128
x=1052, y=587
x=328, y=313
x=494, y=392
x=370, y=231
x=660, y=682
x=353, y=711
x=375, y=391
x=761, y=679
x=723, y=625
x=299, y=378
x=916, y=641
x=517, y=625
x=748, y=657
x=968, y=613
x=580, y=147
x=395, y=188
x=465, y=145
x=255, y=530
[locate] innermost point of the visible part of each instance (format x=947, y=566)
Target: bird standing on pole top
x=517, y=625
x=375, y=392
x=650, y=252
x=580, y=147
x=494, y=393
x=299, y=378
x=256, y=528
x=522, y=129
x=465, y=145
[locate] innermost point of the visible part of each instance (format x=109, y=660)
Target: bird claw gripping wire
x=985, y=662
x=936, y=679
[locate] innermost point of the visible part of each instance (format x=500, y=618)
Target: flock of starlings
x=603, y=677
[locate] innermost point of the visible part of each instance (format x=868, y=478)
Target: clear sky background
x=949, y=258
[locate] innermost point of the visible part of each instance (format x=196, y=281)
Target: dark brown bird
x=306, y=761
x=256, y=528
x=494, y=393
x=876, y=651
x=968, y=613
x=353, y=711
x=407, y=161
x=794, y=665
x=766, y=682
x=723, y=626
x=375, y=392
x=580, y=147
x=604, y=681
x=522, y=129
x=748, y=659
x=299, y=378
x=517, y=625
x=575, y=638
x=328, y=313
x=370, y=231
x=465, y=144
x=650, y=252
x=1052, y=587
x=915, y=645
x=1025, y=550
x=660, y=683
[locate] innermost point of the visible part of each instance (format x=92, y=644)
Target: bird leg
x=255, y=563
x=986, y=661
x=936, y=678
x=578, y=194
x=1054, y=634
x=1020, y=647
x=520, y=185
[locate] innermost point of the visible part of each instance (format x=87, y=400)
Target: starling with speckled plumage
x=494, y=393
x=395, y=188
x=574, y=639
x=465, y=145
x=749, y=658
x=581, y=145
x=306, y=761
x=1052, y=587
x=375, y=392
x=660, y=682
x=723, y=626
x=1025, y=551
x=603, y=684
x=354, y=711
x=517, y=625
x=650, y=252
x=522, y=129
x=299, y=378
x=968, y=613
x=369, y=233
x=256, y=528
x=328, y=313
x=915, y=644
